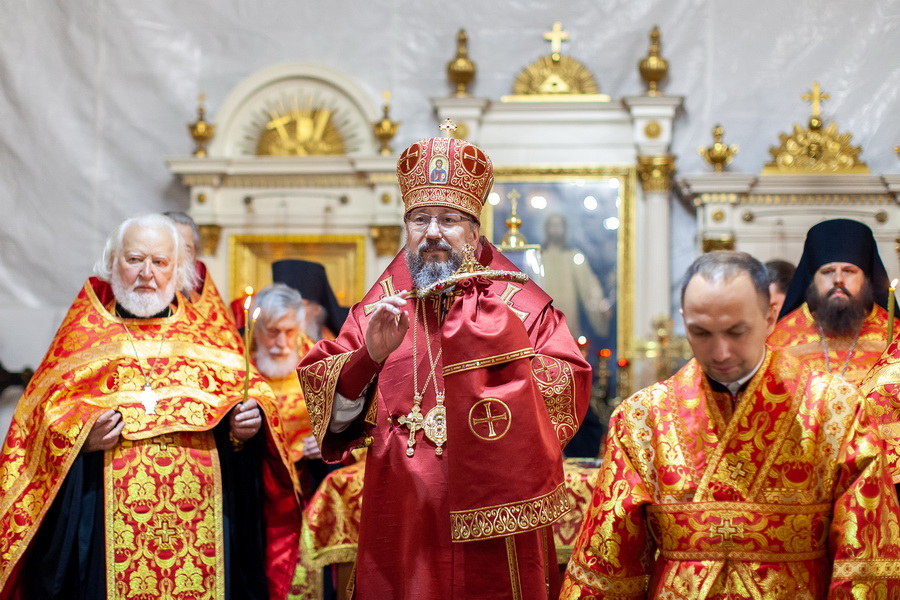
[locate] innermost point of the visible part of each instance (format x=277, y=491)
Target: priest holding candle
x=145, y=460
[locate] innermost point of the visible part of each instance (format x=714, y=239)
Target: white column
x=652, y=120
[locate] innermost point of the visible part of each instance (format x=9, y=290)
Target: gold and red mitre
x=446, y=172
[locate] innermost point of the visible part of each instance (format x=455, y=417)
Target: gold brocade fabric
x=331, y=527
x=798, y=333
x=166, y=459
x=307, y=583
x=164, y=518
x=293, y=412
x=882, y=389
x=787, y=499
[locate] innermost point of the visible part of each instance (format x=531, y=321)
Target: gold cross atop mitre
x=448, y=127
x=816, y=97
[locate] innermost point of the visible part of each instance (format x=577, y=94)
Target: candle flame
x=256, y=312
x=894, y=284
x=386, y=96
x=247, y=302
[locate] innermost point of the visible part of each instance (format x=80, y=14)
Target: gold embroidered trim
x=866, y=569
x=727, y=520
x=513, y=562
x=557, y=385
x=611, y=586
x=344, y=553
x=752, y=509
x=509, y=519
x=736, y=555
x=488, y=361
x=319, y=382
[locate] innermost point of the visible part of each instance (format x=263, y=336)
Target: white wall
x=95, y=94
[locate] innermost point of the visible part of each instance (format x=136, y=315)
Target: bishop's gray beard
x=423, y=272
x=141, y=304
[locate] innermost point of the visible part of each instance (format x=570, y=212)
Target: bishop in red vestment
x=464, y=397
x=746, y=475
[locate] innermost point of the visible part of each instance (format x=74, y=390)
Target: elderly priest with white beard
x=143, y=460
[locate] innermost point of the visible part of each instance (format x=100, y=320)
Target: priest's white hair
x=276, y=301
x=185, y=271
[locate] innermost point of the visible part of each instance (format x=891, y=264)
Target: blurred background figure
x=571, y=282
x=780, y=274
x=278, y=344
x=203, y=294
x=324, y=316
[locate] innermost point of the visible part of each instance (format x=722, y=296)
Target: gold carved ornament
x=654, y=67
x=656, y=172
x=296, y=131
x=719, y=154
x=555, y=77
x=815, y=149
x=209, y=238
x=386, y=239
x=200, y=130
x=461, y=70
x=724, y=242
x=385, y=129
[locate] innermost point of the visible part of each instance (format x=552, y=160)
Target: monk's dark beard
x=423, y=272
x=840, y=317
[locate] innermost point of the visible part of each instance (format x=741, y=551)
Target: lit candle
x=891, y=303
x=248, y=335
x=247, y=301
x=386, y=97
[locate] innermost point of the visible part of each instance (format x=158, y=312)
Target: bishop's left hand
x=245, y=420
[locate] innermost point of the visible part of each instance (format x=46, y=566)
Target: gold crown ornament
x=445, y=172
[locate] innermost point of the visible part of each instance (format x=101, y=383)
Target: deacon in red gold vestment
x=464, y=400
x=177, y=500
x=882, y=388
x=745, y=475
x=834, y=317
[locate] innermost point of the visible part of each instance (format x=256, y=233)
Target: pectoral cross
x=149, y=399
x=414, y=421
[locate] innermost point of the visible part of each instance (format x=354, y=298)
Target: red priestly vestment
x=798, y=333
x=787, y=499
x=473, y=519
x=163, y=517
x=882, y=388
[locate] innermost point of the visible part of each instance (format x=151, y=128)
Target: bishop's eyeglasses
x=445, y=221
